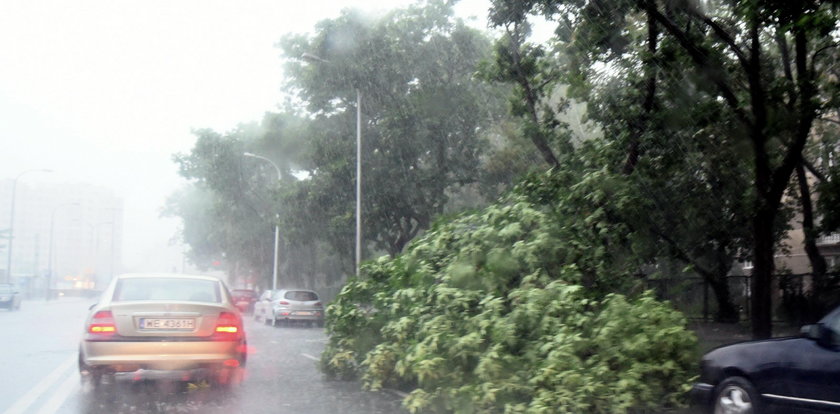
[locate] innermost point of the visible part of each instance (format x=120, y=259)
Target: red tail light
x=228, y=327
x=102, y=323
x=283, y=302
x=319, y=305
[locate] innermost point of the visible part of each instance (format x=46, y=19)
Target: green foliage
x=425, y=119
x=744, y=79
x=509, y=309
x=229, y=209
x=222, y=210
x=426, y=123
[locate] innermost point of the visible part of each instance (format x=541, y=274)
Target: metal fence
x=694, y=296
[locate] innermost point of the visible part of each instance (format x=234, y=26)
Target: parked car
x=9, y=297
x=262, y=307
x=244, y=300
x=163, y=326
x=289, y=305
x=794, y=374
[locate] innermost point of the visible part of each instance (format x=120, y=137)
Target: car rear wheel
x=736, y=395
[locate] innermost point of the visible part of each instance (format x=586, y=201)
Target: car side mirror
x=817, y=332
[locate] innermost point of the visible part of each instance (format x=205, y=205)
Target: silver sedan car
x=163, y=326
x=289, y=305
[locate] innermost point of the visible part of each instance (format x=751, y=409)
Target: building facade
x=65, y=236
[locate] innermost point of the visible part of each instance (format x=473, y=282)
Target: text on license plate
x=156, y=323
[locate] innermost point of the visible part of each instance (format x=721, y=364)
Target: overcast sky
x=105, y=91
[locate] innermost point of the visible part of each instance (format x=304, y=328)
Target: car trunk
x=171, y=319
x=298, y=306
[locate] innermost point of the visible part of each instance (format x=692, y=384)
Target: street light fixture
x=12, y=222
x=276, y=224
x=316, y=59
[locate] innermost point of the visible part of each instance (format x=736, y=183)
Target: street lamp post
x=94, y=228
x=358, y=180
x=276, y=224
x=313, y=58
x=114, y=211
x=12, y=223
x=52, y=243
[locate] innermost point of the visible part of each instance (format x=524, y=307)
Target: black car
x=786, y=375
x=9, y=297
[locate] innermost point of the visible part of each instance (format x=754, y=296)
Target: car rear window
x=189, y=290
x=301, y=295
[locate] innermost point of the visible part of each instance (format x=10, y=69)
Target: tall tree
x=423, y=115
x=230, y=208
x=222, y=218
x=762, y=59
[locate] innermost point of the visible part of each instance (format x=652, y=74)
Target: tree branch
x=700, y=56
x=806, y=115
x=833, y=121
x=820, y=176
x=681, y=254
x=783, y=49
x=820, y=50
x=530, y=96
x=723, y=35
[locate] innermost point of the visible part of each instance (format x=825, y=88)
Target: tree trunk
x=762, y=277
x=650, y=95
x=818, y=265
x=534, y=133
x=767, y=205
x=726, y=311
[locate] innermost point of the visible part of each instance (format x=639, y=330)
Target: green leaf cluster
x=509, y=309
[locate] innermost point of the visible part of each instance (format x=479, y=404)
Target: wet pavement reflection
x=281, y=374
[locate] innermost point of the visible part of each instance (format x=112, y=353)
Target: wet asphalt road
x=38, y=373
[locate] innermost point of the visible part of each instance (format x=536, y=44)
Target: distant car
x=794, y=374
x=244, y=299
x=289, y=305
x=163, y=326
x=9, y=297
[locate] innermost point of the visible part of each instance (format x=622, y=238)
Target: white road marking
x=20, y=406
x=69, y=386
x=311, y=357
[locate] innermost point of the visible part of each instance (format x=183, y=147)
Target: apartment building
x=66, y=236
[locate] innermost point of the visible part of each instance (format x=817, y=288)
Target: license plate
x=155, y=323
x=303, y=313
